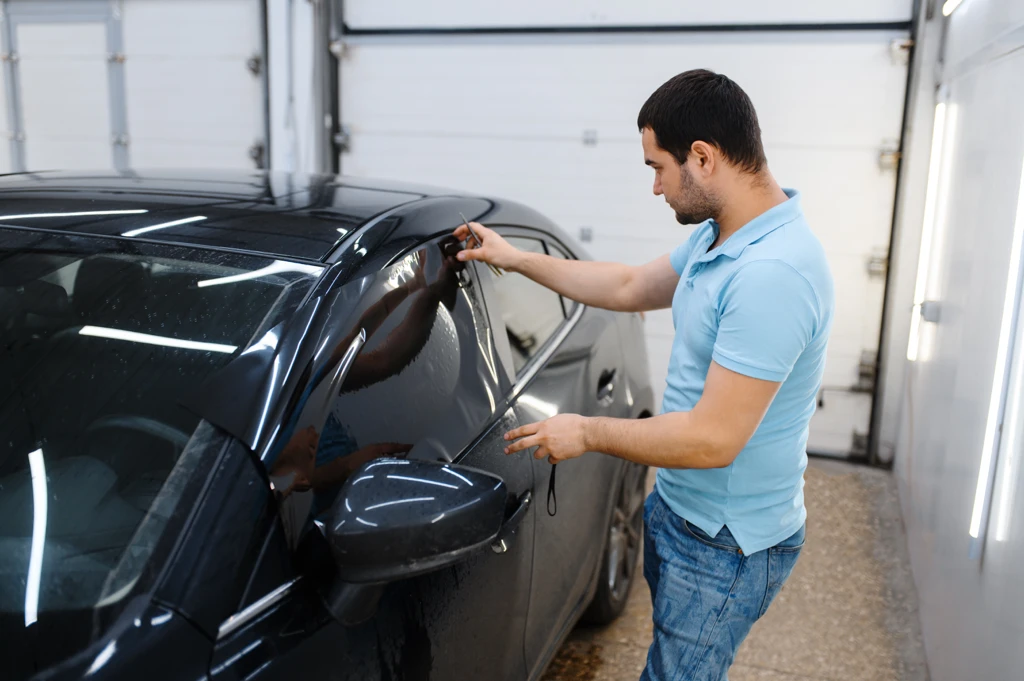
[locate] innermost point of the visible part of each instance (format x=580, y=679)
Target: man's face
x=692, y=202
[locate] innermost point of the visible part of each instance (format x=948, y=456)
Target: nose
x=657, y=186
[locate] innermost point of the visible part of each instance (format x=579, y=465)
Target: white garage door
x=550, y=120
x=133, y=83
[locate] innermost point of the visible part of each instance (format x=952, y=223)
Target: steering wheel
x=141, y=424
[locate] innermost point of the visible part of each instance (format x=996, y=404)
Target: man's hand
x=558, y=438
x=494, y=249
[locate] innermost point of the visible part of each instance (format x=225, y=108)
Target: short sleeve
x=768, y=314
x=681, y=255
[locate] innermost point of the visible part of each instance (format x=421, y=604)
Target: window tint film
x=422, y=386
x=100, y=342
x=531, y=312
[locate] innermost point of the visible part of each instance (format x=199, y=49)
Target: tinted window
x=423, y=385
x=531, y=312
x=100, y=342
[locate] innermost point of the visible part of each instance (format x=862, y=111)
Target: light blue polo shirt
x=761, y=305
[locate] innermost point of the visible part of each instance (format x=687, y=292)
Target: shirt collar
x=763, y=224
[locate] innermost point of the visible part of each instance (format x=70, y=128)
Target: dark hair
x=707, y=106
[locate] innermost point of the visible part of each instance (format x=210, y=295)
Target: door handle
x=606, y=385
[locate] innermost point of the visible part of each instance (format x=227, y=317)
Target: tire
x=622, y=545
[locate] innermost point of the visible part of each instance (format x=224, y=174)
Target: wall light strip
x=163, y=225
x=950, y=6
x=1008, y=454
x=983, y=489
x=29, y=216
x=135, y=337
x=35, y=560
x=931, y=203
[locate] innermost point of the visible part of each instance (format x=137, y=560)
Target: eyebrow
x=649, y=162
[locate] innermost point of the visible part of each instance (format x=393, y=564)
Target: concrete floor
x=848, y=612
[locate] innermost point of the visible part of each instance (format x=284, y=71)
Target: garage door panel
x=63, y=68
x=522, y=87
x=168, y=100
x=191, y=98
x=462, y=13
x=831, y=431
x=168, y=154
x=608, y=189
x=200, y=29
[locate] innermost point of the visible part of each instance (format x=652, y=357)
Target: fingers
x=522, y=431
x=463, y=233
x=524, y=443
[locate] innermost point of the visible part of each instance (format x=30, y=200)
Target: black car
x=252, y=429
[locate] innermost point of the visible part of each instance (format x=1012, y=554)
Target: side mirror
x=397, y=518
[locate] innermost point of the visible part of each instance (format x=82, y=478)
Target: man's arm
x=608, y=285
x=709, y=436
x=768, y=314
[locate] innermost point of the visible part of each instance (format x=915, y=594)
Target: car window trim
x=252, y=611
x=532, y=367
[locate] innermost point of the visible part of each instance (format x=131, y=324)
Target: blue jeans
x=706, y=593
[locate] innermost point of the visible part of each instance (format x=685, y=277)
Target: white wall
x=971, y=591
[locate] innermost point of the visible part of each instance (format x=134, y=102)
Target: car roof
x=281, y=214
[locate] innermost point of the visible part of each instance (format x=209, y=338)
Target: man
x=752, y=299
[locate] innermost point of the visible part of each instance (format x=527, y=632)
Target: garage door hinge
x=859, y=445
x=116, y=58
x=338, y=48
x=11, y=57
x=343, y=138
x=867, y=370
x=899, y=50
x=877, y=265
x=590, y=138
x=889, y=155
x=119, y=140
x=254, y=64
x=258, y=154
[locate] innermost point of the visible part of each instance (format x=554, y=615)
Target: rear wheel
x=622, y=548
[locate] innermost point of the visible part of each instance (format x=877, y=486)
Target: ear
x=704, y=157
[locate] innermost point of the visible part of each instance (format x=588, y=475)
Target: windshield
x=100, y=343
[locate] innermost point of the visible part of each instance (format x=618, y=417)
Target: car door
x=426, y=384
x=566, y=359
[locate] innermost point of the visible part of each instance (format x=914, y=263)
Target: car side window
x=418, y=387
x=531, y=312
x=556, y=252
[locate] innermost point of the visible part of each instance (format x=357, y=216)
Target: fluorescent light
x=950, y=6
x=1008, y=452
x=275, y=267
x=981, y=492
x=35, y=560
x=132, y=336
x=164, y=225
x=931, y=202
x=29, y=216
